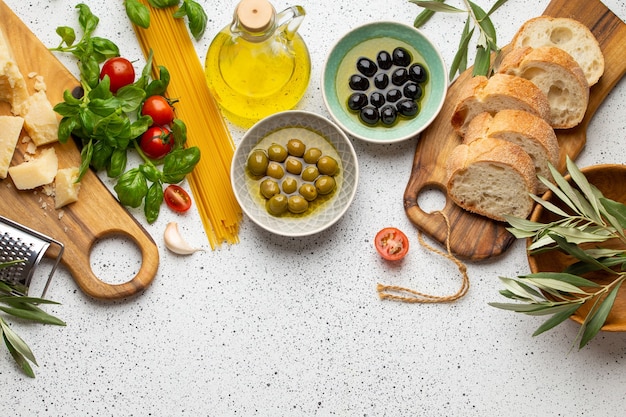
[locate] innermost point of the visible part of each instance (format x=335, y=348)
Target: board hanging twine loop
x=407, y=295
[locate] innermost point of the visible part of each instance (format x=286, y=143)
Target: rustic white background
x=279, y=326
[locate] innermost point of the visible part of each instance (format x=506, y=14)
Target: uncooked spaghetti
x=172, y=47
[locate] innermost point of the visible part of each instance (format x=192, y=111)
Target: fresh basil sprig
x=24, y=308
x=197, y=18
x=476, y=18
x=108, y=124
x=593, y=219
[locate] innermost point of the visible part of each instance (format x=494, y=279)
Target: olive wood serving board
x=97, y=214
x=474, y=237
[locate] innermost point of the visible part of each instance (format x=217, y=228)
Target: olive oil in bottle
x=258, y=65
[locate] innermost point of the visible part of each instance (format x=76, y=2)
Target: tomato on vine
x=156, y=142
x=159, y=108
x=177, y=198
x=120, y=71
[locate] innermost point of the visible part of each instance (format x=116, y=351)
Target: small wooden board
x=97, y=214
x=475, y=237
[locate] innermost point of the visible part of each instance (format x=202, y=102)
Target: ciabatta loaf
x=533, y=134
x=501, y=91
x=558, y=75
x=567, y=34
x=491, y=177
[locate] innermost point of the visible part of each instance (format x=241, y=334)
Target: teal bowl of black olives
x=295, y=173
x=384, y=82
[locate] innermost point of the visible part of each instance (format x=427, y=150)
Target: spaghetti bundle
x=172, y=47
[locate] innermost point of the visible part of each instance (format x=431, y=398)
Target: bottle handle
x=289, y=20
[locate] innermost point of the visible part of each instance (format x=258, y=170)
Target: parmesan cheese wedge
x=40, y=120
x=66, y=187
x=13, y=88
x=10, y=128
x=35, y=172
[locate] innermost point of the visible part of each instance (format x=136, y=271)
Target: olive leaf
x=588, y=217
x=486, y=43
x=23, y=308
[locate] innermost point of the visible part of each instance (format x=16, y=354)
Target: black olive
x=369, y=115
x=384, y=60
x=400, y=76
x=359, y=82
x=381, y=80
x=417, y=73
x=388, y=115
x=357, y=101
x=407, y=107
x=402, y=57
x=394, y=95
x=366, y=66
x=377, y=99
x=412, y=90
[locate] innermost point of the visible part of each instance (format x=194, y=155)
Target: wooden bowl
x=610, y=179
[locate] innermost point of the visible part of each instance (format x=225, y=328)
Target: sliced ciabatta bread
x=568, y=34
x=501, y=91
x=560, y=78
x=491, y=177
x=533, y=134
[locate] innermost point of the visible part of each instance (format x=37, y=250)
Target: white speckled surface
x=278, y=326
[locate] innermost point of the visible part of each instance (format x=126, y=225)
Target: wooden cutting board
x=475, y=237
x=97, y=214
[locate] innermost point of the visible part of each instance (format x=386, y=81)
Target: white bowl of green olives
x=295, y=173
x=384, y=82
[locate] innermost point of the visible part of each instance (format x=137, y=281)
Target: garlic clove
x=175, y=242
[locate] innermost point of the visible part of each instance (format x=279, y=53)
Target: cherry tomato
x=159, y=109
x=156, y=142
x=391, y=244
x=176, y=198
x=120, y=72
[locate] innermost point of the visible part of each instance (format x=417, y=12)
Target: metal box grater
x=18, y=242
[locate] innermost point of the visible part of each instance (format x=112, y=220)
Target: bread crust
x=567, y=34
x=558, y=75
x=499, y=92
x=507, y=157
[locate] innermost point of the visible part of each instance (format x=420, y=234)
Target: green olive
x=327, y=165
x=308, y=191
x=325, y=184
x=275, y=170
x=312, y=155
x=269, y=188
x=296, y=147
x=277, y=205
x=290, y=185
x=297, y=204
x=257, y=162
x=310, y=173
x=277, y=152
x=293, y=166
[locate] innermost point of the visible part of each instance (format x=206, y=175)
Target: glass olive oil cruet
x=258, y=65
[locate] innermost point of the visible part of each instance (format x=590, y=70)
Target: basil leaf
x=89, y=70
x=151, y=172
x=130, y=98
x=179, y=130
x=67, y=34
x=104, y=48
x=139, y=126
x=117, y=163
x=160, y=4
x=196, y=17
x=101, y=155
x=154, y=199
x=131, y=188
x=158, y=87
x=85, y=159
x=87, y=20
x=138, y=13
x=178, y=163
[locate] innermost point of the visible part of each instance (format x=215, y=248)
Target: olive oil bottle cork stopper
x=255, y=15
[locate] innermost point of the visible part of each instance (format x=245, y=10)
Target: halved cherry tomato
x=120, y=72
x=177, y=198
x=391, y=244
x=156, y=142
x=159, y=108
